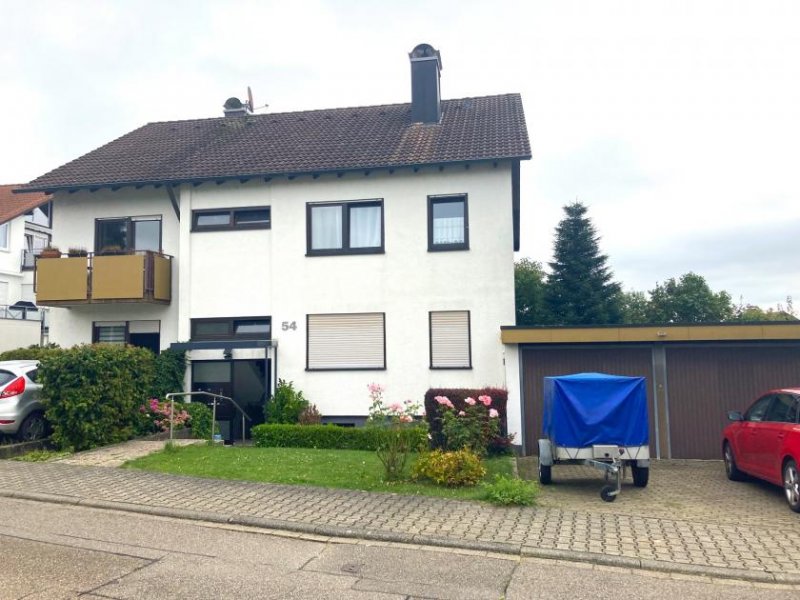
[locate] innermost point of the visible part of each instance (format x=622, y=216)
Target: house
x=331, y=248
x=24, y=231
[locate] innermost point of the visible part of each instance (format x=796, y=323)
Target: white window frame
x=450, y=338
x=346, y=342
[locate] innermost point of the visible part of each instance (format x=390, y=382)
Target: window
x=143, y=334
x=4, y=233
x=127, y=234
x=450, y=340
x=782, y=410
x=228, y=328
x=222, y=219
x=759, y=408
x=346, y=341
x=448, y=223
x=345, y=228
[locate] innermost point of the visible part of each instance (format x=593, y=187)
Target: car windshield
x=5, y=377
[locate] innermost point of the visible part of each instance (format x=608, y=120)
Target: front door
x=243, y=380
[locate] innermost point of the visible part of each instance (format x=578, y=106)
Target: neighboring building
x=25, y=229
x=332, y=248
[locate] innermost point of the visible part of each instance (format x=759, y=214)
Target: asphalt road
x=50, y=551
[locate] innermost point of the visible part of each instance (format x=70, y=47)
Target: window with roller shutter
x=349, y=341
x=450, y=340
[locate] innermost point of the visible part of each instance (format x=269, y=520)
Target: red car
x=765, y=442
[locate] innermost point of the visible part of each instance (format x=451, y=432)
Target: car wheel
x=641, y=475
x=791, y=484
x=731, y=470
x=33, y=428
x=545, y=474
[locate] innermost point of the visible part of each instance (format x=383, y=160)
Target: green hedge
x=170, y=369
x=330, y=436
x=30, y=353
x=92, y=393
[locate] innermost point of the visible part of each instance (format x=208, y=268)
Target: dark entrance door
x=243, y=380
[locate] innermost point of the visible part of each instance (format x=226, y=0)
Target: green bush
x=199, y=419
x=30, y=353
x=507, y=491
x=330, y=436
x=462, y=467
x=170, y=369
x=286, y=405
x=310, y=416
x=92, y=393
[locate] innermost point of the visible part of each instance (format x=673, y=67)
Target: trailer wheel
x=607, y=495
x=545, y=474
x=641, y=475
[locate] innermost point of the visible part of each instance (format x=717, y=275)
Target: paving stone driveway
x=689, y=515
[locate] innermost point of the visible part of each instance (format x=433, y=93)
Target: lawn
x=349, y=469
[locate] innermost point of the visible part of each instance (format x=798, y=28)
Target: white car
x=21, y=410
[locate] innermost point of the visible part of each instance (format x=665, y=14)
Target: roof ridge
x=319, y=110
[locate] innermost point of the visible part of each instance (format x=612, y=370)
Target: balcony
x=140, y=277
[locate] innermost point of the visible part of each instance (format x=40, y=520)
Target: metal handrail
x=171, y=397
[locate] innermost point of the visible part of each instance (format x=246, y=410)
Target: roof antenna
x=250, y=104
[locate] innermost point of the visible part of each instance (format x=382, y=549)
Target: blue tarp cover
x=592, y=408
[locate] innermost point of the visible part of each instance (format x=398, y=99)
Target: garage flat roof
x=723, y=332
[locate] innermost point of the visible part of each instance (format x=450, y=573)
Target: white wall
x=267, y=272
x=73, y=226
x=11, y=261
x=18, y=334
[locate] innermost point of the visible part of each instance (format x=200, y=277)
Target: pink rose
x=406, y=419
x=396, y=407
x=493, y=413
x=444, y=401
x=461, y=413
x=485, y=400
x=470, y=401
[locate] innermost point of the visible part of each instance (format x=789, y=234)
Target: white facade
x=266, y=272
x=16, y=284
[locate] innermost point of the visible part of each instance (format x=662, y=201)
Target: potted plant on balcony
x=77, y=252
x=50, y=252
x=111, y=250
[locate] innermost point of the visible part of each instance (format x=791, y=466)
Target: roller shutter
x=450, y=340
x=346, y=341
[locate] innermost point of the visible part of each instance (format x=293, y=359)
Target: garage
x=695, y=373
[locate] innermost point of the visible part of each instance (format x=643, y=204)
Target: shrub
x=30, y=353
x=286, y=404
x=170, y=369
x=393, y=419
x=199, y=420
x=310, y=416
x=457, y=396
x=328, y=436
x=92, y=393
x=507, y=491
x=159, y=414
x=462, y=467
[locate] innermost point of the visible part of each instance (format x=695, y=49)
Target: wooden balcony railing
x=140, y=276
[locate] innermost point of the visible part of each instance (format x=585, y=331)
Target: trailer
x=599, y=421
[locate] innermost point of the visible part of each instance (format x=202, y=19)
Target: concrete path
x=118, y=454
x=757, y=552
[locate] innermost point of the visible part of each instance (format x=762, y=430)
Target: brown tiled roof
x=317, y=141
x=14, y=205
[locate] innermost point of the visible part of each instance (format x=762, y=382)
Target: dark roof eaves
x=204, y=179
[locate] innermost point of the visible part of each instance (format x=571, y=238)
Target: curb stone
x=412, y=539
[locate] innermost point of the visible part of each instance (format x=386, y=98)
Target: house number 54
x=287, y=325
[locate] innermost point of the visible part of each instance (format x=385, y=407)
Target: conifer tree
x=580, y=289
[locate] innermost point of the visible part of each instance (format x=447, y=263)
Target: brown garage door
x=704, y=383
x=538, y=363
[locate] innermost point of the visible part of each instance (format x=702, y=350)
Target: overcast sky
x=676, y=122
